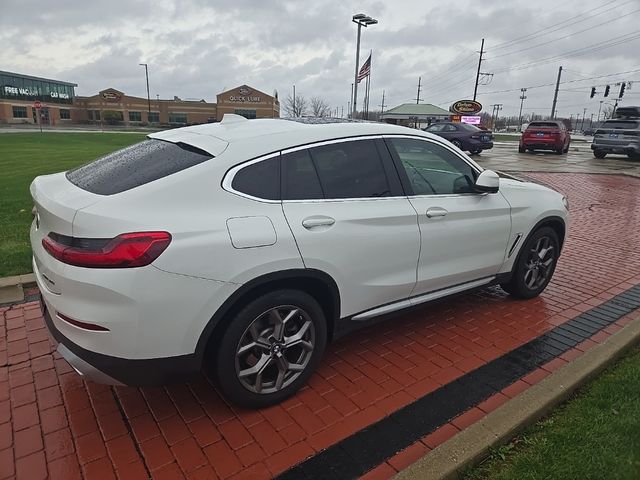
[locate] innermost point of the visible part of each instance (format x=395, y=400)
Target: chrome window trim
x=227, y=181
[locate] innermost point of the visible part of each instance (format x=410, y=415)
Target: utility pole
x=591, y=121
x=146, y=73
x=584, y=112
x=351, y=103
x=382, y=105
x=475, y=90
x=599, y=108
x=555, y=95
x=615, y=107
x=294, y=101
x=419, y=88
x=522, y=98
x=494, y=113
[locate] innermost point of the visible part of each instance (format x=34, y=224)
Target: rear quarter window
x=543, y=125
x=136, y=165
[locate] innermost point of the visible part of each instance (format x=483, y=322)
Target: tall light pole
x=599, y=109
x=522, y=98
x=361, y=20
x=146, y=73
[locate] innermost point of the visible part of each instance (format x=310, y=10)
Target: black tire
x=457, y=143
x=236, y=355
x=521, y=149
x=521, y=284
x=476, y=152
x=634, y=156
x=599, y=154
x=566, y=149
x=559, y=151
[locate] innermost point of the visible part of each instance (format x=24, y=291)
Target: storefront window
x=177, y=117
x=245, y=113
x=65, y=114
x=154, y=117
x=135, y=116
x=19, y=112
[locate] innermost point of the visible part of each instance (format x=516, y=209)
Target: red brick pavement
x=54, y=424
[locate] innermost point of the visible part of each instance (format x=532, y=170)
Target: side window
x=299, y=178
x=435, y=128
x=351, y=170
x=261, y=179
x=432, y=169
x=450, y=128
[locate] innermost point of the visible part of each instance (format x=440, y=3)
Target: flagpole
x=369, y=80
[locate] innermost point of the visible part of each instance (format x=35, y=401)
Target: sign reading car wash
x=466, y=107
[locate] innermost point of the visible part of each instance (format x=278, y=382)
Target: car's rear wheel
x=457, y=143
x=634, y=156
x=521, y=149
x=599, y=154
x=270, y=348
x=559, y=151
x=535, y=265
x=476, y=151
x=566, y=149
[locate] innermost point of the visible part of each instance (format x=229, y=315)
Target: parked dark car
x=464, y=136
x=547, y=135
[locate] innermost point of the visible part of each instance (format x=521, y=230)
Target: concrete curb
x=17, y=280
x=471, y=445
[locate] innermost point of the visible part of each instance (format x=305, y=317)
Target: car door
x=464, y=234
x=350, y=218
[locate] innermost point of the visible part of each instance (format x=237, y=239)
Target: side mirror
x=487, y=182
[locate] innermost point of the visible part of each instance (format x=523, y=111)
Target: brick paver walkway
x=54, y=424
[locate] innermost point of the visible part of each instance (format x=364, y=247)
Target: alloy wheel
x=539, y=263
x=275, y=349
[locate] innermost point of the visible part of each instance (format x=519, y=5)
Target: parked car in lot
x=619, y=135
x=243, y=247
x=547, y=135
x=466, y=137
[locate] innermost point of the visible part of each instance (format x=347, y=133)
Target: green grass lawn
x=596, y=435
x=24, y=156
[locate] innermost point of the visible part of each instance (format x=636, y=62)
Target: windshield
x=469, y=128
x=543, y=125
x=136, y=165
x=621, y=124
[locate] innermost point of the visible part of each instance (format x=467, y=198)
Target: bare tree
x=297, y=108
x=319, y=108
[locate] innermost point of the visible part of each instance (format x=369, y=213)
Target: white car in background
x=242, y=248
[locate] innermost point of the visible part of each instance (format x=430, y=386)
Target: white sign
x=235, y=98
x=470, y=119
x=26, y=92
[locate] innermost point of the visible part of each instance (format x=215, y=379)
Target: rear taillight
x=124, y=251
x=475, y=136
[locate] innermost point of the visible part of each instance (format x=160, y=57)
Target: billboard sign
x=466, y=107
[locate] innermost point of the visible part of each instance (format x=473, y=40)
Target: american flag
x=365, y=70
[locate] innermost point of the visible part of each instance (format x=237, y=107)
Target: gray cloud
x=197, y=48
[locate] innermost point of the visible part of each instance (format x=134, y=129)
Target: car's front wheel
x=599, y=154
x=521, y=149
x=270, y=348
x=535, y=265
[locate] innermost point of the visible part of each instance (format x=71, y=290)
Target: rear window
x=136, y=165
x=621, y=124
x=543, y=124
x=469, y=128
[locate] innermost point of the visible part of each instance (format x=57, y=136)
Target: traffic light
x=622, y=87
x=593, y=92
x=606, y=91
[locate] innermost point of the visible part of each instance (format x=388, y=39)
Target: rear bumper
x=479, y=145
x=629, y=148
x=110, y=370
x=542, y=145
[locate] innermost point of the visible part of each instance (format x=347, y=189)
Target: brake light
x=124, y=251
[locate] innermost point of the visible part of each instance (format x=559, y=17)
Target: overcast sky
x=197, y=48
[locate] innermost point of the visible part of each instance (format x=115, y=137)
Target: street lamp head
x=370, y=21
x=358, y=16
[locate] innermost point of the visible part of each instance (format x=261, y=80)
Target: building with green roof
x=415, y=114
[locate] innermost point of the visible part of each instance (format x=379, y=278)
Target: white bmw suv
x=242, y=248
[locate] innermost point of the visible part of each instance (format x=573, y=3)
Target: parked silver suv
x=619, y=135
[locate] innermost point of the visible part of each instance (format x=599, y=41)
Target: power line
x=545, y=30
x=566, y=36
x=612, y=42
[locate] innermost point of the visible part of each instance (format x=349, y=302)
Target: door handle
x=436, y=212
x=313, y=222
